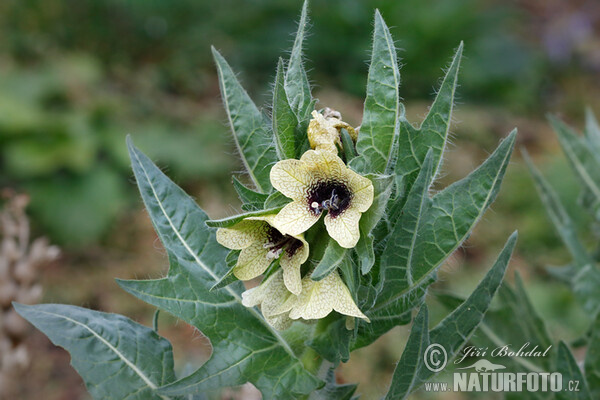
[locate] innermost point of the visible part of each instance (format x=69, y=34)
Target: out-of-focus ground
x=77, y=76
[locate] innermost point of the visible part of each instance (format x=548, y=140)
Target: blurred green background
x=76, y=76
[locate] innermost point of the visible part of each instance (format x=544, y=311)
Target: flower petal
x=362, y=190
x=269, y=294
x=291, y=178
x=280, y=322
x=318, y=299
x=344, y=227
x=252, y=262
x=324, y=165
x=291, y=268
x=295, y=218
x=242, y=234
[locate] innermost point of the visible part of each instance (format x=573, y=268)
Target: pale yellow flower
x=318, y=182
x=270, y=295
x=324, y=131
x=261, y=242
x=319, y=298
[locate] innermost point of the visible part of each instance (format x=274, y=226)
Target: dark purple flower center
x=278, y=243
x=332, y=196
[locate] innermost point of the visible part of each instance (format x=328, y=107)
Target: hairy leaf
x=382, y=185
x=251, y=200
x=567, y=366
x=452, y=333
x=592, y=360
x=251, y=130
x=585, y=279
x=514, y=323
x=284, y=118
x=445, y=222
x=414, y=143
x=378, y=129
x=231, y=221
x=406, y=374
x=116, y=357
x=581, y=157
x=245, y=347
x=296, y=83
x=592, y=131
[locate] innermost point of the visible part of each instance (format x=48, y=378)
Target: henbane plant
x=340, y=223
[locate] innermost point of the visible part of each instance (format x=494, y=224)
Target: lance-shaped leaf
x=231, y=221
x=567, y=366
x=251, y=200
x=592, y=360
x=399, y=252
x=592, y=130
x=581, y=157
x=452, y=333
x=446, y=223
x=297, y=86
x=414, y=143
x=245, y=347
x=514, y=323
x=116, y=357
x=585, y=280
x=406, y=373
x=382, y=185
x=251, y=130
x=562, y=222
x=284, y=118
x=378, y=129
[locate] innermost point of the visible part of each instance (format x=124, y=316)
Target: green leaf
x=333, y=257
x=231, y=221
x=378, y=129
x=585, y=280
x=382, y=185
x=584, y=162
x=592, y=130
x=365, y=252
x=514, y=323
x=586, y=285
x=333, y=391
x=592, y=360
x=251, y=200
x=251, y=131
x=297, y=86
x=399, y=252
x=245, y=347
x=414, y=143
x=348, y=145
x=407, y=371
x=446, y=221
x=562, y=222
x=452, y=333
x=284, y=118
x=567, y=366
x=331, y=339
x=276, y=200
x=116, y=357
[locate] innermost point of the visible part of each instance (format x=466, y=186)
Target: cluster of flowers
x=318, y=183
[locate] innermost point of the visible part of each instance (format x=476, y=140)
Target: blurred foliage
x=77, y=75
x=175, y=37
